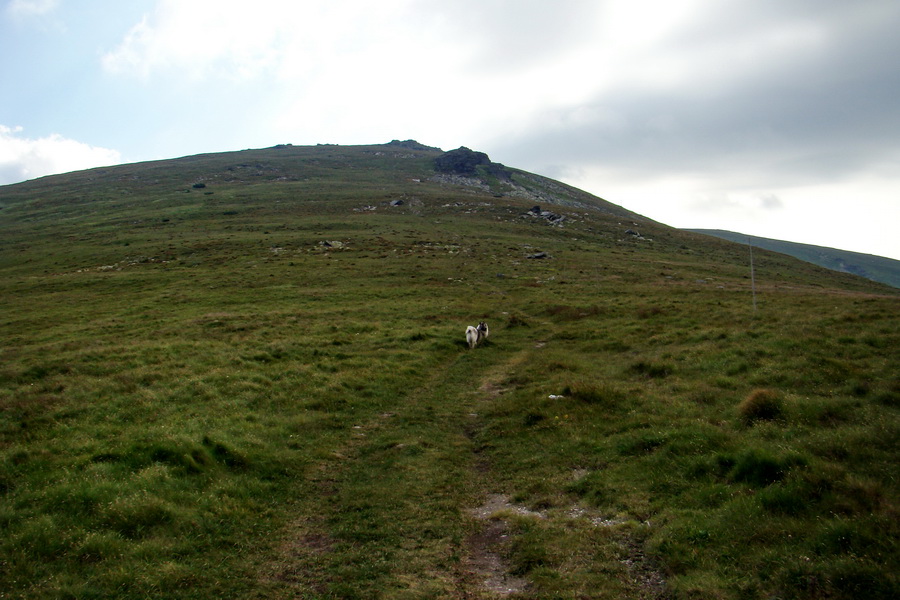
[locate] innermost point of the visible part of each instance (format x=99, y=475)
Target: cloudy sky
x=776, y=118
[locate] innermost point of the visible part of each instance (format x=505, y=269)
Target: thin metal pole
x=752, y=274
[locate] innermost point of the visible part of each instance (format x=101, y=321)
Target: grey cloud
x=770, y=202
x=824, y=112
x=509, y=34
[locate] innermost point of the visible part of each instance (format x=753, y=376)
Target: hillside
x=876, y=268
x=245, y=375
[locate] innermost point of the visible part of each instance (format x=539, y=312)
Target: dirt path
x=407, y=505
x=384, y=514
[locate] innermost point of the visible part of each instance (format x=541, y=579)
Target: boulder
x=461, y=161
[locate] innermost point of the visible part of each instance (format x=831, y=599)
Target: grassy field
x=245, y=376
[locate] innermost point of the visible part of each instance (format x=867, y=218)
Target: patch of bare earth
x=487, y=548
x=491, y=389
x=300, y=566
x=643, y=573
x=649, y=581
x=486, y=564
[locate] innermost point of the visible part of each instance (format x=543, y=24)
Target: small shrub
x=178, y=454
x=785, y=500
x=527, y=553
x=564, y=312
x=761, y=405
x=889, y=398
x=98, y=546
x=828, y=412
x=135, y=517
x=759, y=468
x=647, y=312
x=225, y=455
x=643, y=443
x=516, y=320
x=593, y=393
x=652, y=370
x=859, y=388
x=592, y=488
x=704, y=396
x=533, y=418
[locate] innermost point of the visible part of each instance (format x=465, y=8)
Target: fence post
x=752, y=274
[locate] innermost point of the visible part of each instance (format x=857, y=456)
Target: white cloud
x=857, y=214
x=236, y=40
x=31, y=8
x=26, y=158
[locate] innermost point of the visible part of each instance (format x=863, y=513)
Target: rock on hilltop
x=464, y=161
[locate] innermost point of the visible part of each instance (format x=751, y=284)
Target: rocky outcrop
x=469, y=163
x=461, y=161
x=411, y=145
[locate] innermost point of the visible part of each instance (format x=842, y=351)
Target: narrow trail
x=390, y=513
x=408, y=506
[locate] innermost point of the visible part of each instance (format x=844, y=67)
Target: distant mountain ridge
x=876, y=268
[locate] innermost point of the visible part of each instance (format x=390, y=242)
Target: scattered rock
x=499, y=503
x=538, y=255
x=551, y=217
x=635, y=234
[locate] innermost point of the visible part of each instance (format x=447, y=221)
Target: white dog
x=474, y=335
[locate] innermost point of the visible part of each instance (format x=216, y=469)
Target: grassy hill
x=245, y=375
x=876, y=268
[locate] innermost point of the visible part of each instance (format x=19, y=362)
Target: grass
x=761, y=405
x=199, y=399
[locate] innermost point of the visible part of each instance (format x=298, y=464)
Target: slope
x=876, y=268
x=260, y=387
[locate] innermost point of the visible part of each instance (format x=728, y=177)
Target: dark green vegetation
x=876, y=268
x=260, y=388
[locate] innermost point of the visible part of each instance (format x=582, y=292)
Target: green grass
x=876, y=268
x=200, y=399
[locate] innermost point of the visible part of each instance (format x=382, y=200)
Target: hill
x=245, y=375
x=876, y=268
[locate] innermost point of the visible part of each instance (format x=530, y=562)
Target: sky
x=773, y=118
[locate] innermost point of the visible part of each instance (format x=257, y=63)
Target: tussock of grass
x=652, y=369
x=591, y=392
x=516, y=319
x=759, y=468
x=761, y=405
x=562, y=312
